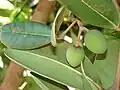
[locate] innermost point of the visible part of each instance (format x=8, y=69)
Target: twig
x=66, y=31
x=79, y=33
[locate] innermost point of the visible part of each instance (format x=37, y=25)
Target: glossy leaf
x=62, y=12
x=25, y=35
x=46, y=67
x=100, y=13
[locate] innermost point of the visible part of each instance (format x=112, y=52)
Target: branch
x=13, y=75
x=12, y=78
x=43, y=11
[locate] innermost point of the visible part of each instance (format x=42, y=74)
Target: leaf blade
x=62, y=12
x=45, y=69
x=99, y=10
x=15, y=35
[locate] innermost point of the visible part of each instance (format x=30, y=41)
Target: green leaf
x=47, y=67
x=100, y=13
x=5, y=13
x=103, y=71
x=47, y=84
x=88, y=85
x=40, y=84
x=25, y=35
x=57, y=53
x=89, y=54
x=31, y=84
x=91, y=71
x=19, y=17
x=62, y=12
x=107, y=67
x=94, y=85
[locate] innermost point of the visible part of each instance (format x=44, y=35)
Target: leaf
x=90, y=71
x=100, y=13
x=25, y=35
x=48, y=84
x=62, y=12
x=19, y=17
x=31, y=84
x=94, y=85
x=40, y=84
x=103, y=71
x=89, y=54
x=46, y=67
x=107, y=67
x=88, y=85
x=5, y=13
x=57, y=53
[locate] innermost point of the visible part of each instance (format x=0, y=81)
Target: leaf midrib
x=26, y=33
x=23, y=65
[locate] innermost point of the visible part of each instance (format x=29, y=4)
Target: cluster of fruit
x=94, y=40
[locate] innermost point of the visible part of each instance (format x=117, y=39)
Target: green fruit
x=95, y=41
x=75, y=56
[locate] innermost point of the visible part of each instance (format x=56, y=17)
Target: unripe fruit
x=75, y=56
x=95, y=41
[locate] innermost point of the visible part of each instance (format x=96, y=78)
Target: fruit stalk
x=79, y=33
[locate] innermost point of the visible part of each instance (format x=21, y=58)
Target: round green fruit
x=95, y=41
x=75, y=56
